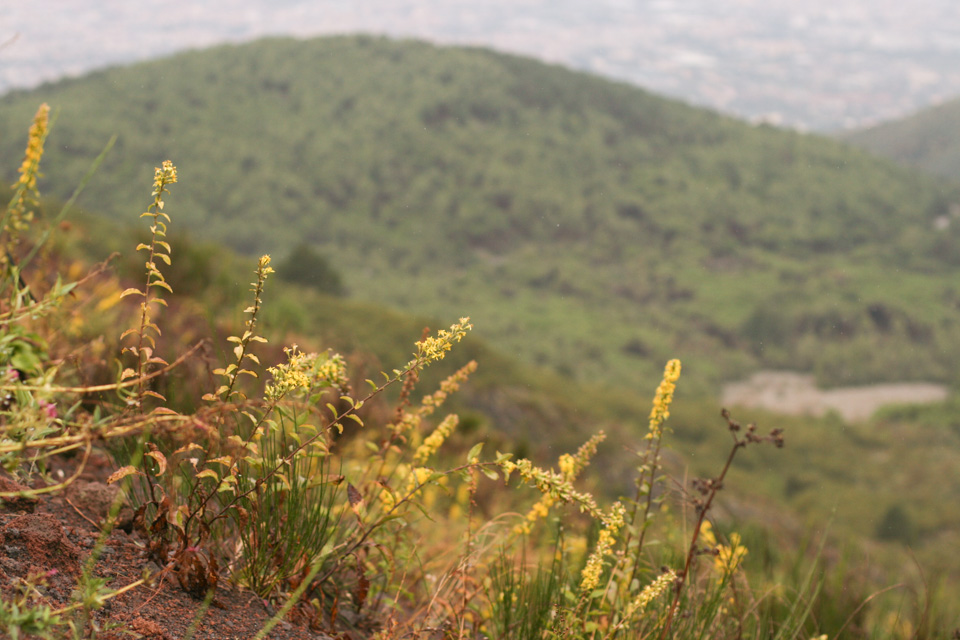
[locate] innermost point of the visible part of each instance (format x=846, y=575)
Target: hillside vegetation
x=928, y=140
x=350, y=493
x=584, y=225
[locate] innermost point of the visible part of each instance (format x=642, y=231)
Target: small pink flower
x=13, y=374
x=49, y=409
x=52, y=573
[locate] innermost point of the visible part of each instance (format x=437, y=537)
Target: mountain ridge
x=928, y=140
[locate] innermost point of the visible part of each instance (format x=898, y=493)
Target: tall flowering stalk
x=18, y=216
x=241, y=351
x=649, y=593
x=157, y=249
x=651, y=457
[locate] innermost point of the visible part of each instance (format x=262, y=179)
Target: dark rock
x=41, y=544
x=95, y=499
x=15, y=503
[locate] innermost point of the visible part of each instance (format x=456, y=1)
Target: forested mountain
x=928, y=140
x=583, y=224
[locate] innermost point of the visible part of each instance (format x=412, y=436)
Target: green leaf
x=162, y=285
x=474, y=452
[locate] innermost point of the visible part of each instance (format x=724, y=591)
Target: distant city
x=818, y=65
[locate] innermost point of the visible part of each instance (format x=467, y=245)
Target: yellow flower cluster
x=305, y=371
x=410, y=420
x=332, y=371
x=728, y=557
x=164, y=175
x=436, y=439
x=448, y=386
x=435, y=348
x=290, y=376
x=552, y=484
x=388, y=500
x=418, y=479
x=31, y=159
x=19, y=217
x=663, y=397
x=570, y=467
x=539, y=510
x=263, y=264
x=650, y=593
x=613, y=522
x=706, y=534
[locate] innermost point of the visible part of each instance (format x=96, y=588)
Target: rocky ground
x=55, y=534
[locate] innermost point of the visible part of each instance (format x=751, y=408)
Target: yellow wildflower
x=566, y=464
x=435, y=348
x=570, y=467
x=332, y=372
x=539, y=510
x=419, y=477
x=706, y=534
x=31, y=159
x=288, y=377
x=263, y=264
x=450, y=385
x=18, y=216
x=388, y=500
x=650, y=593
x=552, y=484
x=167, y=174
x=663, y=397
x=590, y=576
x=436, y=439
x=729, y=556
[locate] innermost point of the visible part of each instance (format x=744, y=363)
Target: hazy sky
x=817, y=64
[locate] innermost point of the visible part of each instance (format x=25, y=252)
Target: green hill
x=928, y=140
x=583, y=225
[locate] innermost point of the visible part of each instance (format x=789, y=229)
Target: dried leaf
x=355, y=498
x=187, y=447
x=121, y=473
x=363, y=588
x=161, y=461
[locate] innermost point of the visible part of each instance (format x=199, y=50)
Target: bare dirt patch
x=797, y=394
